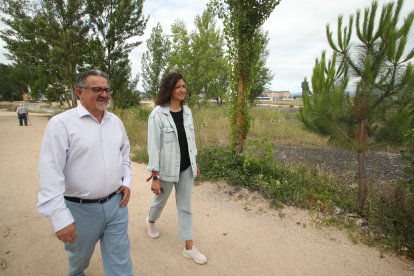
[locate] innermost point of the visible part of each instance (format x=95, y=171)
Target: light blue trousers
x=107, y=223
x=183, y=192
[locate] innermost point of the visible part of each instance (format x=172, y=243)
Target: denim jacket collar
x=166, y=109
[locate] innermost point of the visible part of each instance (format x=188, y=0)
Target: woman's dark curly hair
x=167, y=86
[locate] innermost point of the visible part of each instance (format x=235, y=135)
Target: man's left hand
x=126, y=192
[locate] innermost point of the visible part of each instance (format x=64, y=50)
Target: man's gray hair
x=81, y=80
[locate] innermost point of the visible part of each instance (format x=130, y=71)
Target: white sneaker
x=196, y=255
x=152, y=229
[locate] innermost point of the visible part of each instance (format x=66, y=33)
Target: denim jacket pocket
x=190, y=130
x=168, y=134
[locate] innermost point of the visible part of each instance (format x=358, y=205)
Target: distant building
x=277, y=95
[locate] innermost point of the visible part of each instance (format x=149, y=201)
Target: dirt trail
x=238, y=233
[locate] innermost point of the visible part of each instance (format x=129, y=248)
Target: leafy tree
x=242, y=21
x=180, y=54
x=155, y=60
x=67, y=32
x=377, y=113
x=263, y=76
x=11, y=88
x=20, y=40
x=208, y=63
x=49, y=38
x=181, y=57
x=116, y=25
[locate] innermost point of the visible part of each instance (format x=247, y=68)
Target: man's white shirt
x=83, y=158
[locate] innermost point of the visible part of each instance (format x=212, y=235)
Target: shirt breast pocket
x=168, y=135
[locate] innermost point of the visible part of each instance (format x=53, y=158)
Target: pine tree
x=374, y=113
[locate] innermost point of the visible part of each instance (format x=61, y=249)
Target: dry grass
x=271, y=125
x=287, y=102
x=281, y=126
x=212, y=126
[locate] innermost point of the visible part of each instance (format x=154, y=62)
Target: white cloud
x=296, y=31
x=297, y=36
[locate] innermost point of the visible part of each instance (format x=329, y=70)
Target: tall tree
x=49, y=38
x=242, y=21
x=379, y=65
x=155, y=60
x=117, y=24
x=181, y=56
x=67, y=30
x=208, y=63
x=263, y=76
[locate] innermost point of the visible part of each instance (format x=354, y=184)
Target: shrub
x=280, y=184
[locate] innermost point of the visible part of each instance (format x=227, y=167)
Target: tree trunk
x=74, y=102
x=73, y=98
x=240, y=119
x=71, y=86
x=362, y=183
x=362, y=138
x=68, y=100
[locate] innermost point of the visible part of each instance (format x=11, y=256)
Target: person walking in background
x=85, y=179
x=172, y=160
x=22, y=114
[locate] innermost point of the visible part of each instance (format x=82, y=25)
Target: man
x=85, y=178
x=22, y=114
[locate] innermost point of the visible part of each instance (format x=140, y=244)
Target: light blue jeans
x=108, y=223
x=183, y=192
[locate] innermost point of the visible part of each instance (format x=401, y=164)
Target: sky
x=296, y=31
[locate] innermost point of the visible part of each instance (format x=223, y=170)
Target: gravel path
x=380, y=166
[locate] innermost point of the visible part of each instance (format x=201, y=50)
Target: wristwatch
x=155, y=177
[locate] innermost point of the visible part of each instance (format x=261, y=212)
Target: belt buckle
x=103, y=200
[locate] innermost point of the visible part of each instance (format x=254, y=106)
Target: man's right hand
x=67, y=234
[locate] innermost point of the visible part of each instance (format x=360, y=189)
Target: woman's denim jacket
x=163, y=146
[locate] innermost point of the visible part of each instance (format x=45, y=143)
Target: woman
x=172, y=160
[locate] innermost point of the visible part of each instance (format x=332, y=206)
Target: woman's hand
x=156, y=186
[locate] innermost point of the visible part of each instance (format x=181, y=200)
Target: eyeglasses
x=98, y=90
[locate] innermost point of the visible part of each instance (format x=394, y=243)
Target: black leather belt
x=81, y=200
